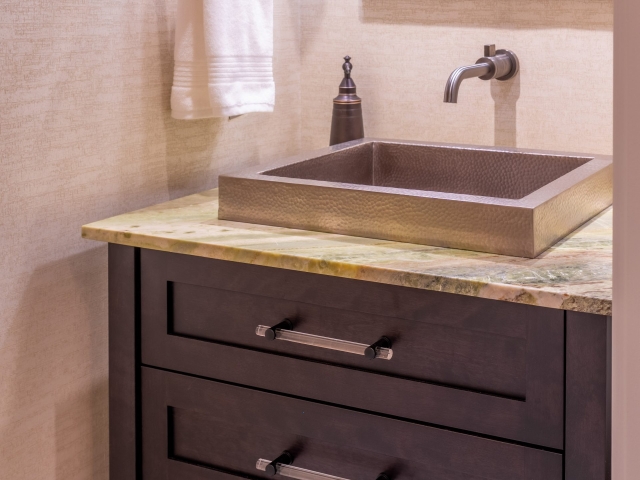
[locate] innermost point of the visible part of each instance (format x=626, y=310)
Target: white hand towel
x=223, y=58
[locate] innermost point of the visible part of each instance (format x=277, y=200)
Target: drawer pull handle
x=284, y=331
x=285, y=469
x=271, y=469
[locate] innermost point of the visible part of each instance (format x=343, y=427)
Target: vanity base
x=194, y=388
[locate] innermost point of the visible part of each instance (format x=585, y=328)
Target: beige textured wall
x=85, y=133
x=404, y=50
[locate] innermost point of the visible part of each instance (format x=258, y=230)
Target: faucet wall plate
x=515, y=65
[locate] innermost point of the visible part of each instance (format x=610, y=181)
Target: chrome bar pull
x=295, y=472
x=288, y=470
x=284, y=332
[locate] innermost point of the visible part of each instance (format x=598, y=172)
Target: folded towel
x=223, y=58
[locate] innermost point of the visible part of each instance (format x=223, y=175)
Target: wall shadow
x=505, y=95
x=59, y=385
x=91, y=408
x=499, y=14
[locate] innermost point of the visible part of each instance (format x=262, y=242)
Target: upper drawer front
x=421, y=351
x=486, y=366
x=199, y=429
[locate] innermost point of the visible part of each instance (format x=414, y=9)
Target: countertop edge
x=423, y=281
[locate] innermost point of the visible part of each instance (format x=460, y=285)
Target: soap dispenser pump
x=347, y=123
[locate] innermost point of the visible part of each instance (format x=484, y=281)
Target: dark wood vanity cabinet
x=475, y=389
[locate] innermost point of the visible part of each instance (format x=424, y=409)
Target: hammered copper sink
x=490, y=199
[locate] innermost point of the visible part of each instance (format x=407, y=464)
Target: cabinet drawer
x=485, y=366
x=201, y=429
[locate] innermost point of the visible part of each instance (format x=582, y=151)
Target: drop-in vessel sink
x=490, y=199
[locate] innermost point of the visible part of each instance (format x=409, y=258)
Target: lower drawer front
x=201, y=429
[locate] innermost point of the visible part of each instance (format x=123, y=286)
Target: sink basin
x=490, y=199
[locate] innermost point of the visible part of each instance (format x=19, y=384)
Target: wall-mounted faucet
x=500, y=64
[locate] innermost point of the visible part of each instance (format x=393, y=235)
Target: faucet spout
x=460, y=74
x=499, y=64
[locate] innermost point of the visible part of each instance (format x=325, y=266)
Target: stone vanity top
x=575, y=274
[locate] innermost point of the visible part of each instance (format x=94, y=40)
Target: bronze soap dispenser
x=347, y=123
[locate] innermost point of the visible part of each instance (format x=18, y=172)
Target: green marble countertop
x=575, y=274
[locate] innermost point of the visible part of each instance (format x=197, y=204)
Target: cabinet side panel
x=587, y=449
x=123, y=362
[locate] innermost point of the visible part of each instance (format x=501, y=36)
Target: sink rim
x=523, y=227
x=533, y=200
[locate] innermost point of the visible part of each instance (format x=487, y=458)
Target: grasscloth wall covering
x=404, y=50
x=85, y=133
